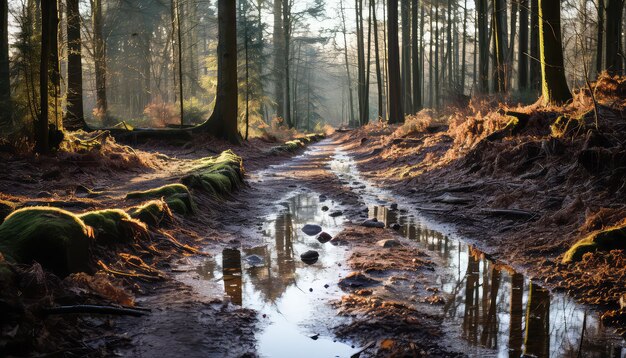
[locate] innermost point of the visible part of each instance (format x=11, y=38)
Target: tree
x=379, y=79
x=535, y=64
x=600, y=36
x=74, y=118
x=406, y=56
x=499, y=41
x=345, y=53
x=417, y=76
x=612, y=33
x=483, y=46
x=523, y=46
x=223, y=122
x=396, y=114
x=553, y=83
x=49, y=31
x=99, y=60
x=279, y=58
x=5, y=75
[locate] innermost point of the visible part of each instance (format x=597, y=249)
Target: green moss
x=113, y=225
x=155, y=213
x=613, y=238
x=6, y=208
x=217, y=175
x=55, y=238
x=160, y=192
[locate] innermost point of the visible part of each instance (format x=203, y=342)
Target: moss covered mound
x=157, y=213
x=6, y=208
x=113, y=225
x=217, y=175
x=296, y=143
x=613, y=238
x=177, y=197
x=55, y=238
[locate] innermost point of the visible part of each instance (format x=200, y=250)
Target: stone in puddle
x=373, y=223
x=324, y=237
x=310, y=257
x=395, y=226
x=393, y=206
x=357, y=280
x=388, y=243
x=324, y=208
x=336, y=213
x=322, y=198
x=311, y=229
x=254, y=260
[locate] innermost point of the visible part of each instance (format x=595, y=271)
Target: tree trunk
x=417, y=76
x=464, y=50
x=449, y=46
x=500, y=49
x=535, y=64
x=406, y=57
x=223, y=122
x=5, y=74
x=345, y=53
x=360, y=58
x=395, y=91
x=279, y=57
x=613, y=30
x=436, y=74
x=75, y=118
x=179, y=41
x=553, y=84
x=49, y=29
x=600, y=37
x=99, y=61
x=523, y=46
x=511, y=45
x=287, y=44
x=483, y=46
x=431, y=62
x=379, y=79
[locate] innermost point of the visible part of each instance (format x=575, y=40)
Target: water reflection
x=231, y=268
x=500, y=309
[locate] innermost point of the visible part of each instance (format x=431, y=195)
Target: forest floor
x=229, y=280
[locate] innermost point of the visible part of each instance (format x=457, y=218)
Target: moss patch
x=296, y=143
x=217, y=175
x=55, y=238
x=613, y=238
x=177, y=197
x=113, y=225
x=156, y=213
x=6, y=208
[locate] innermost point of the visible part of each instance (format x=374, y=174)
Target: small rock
x=310, y=289
x=326, y=286
x=311, y=229
x=373, y=223
x=388, y=243
x=254, y=260
x=395, y=226
x=322, y=198
x=335, y=214
x=324, y=208
x=357, y=279
x=310, y=257
x=393, y=206
x=324, y=237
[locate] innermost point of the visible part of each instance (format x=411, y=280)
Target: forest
x=313, y=178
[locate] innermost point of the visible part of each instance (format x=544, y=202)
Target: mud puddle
x=488, y=304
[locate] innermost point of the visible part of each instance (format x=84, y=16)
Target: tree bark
x=5, y=74
x=49, y=29
x=75, y=118
x=464, y=50
x=600, y=37
x=483, y=46
x=345, y=53
x=535, y=64
x=396, y=114
x=613, y=30
x=417, y=76
x=436, y=74
x=223, y=122
x=500, y=49
x=379, y=79
x=279, y=66
x=286, y=69
x=553, y=84
x=523, y=46
x=99, y=61
x=406, y=57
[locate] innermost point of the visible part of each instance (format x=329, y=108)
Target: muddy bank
x=524, y=195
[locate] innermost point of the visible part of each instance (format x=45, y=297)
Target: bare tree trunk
x=417, y=77
x=535, y=64
x=286, y=42
x=483, y=45
x=223, y=122
x=600, y=37
x=5, y=75
x=406, y=57
x=523, y=46
x=500, y=50
x=345, y=53
x=449, y=46
x=511, y=44
x=463, y=56
x=99, y=61
x=554, y=86
x=49, y=29
x=360, y=58
x=431, y=63
x=379, y=79
x=279, y=66
x=436, y=74
x=613, y=31
x=395, y=91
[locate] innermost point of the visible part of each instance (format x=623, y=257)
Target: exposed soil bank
x=524, y=195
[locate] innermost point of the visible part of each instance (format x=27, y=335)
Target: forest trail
x=412, y=286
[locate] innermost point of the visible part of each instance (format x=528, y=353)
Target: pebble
x=311, y=229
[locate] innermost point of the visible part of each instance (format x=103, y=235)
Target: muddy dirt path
x=412, y=287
